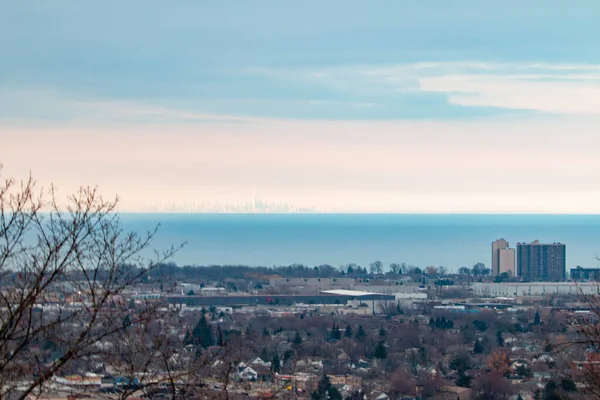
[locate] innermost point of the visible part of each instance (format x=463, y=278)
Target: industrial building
x=509, y=289
x=312, y=284
x=324, y=297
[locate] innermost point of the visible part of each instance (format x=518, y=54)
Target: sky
x=425, y=106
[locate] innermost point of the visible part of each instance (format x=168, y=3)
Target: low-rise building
x=516, y=289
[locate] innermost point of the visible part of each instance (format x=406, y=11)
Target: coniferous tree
x=360, y=333
x=463, y=380
x=380, y=351
x=288, y=356
x=325, y=391
x=537, y=319
x=348, y=331
x=220, y=341
x=499, y=339
x=297, y=339
x=275, y=364
x=478, y=347
x=338, y=333
x=126, y=322
x=202, y=333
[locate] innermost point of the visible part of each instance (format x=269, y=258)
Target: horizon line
x=358, y=213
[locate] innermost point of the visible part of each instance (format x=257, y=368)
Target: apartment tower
x=541, y=262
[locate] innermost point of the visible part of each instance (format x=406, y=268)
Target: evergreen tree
x=202, y=333
x=380, y=351
x=460, y=363
x=266, y=332
x=499, y=339
x=360, y=333
x=537, y=319
x=297, y=339
x=568, y=384
x=550, y=391
x=348, y=331
x=288, y=356
x=382, y=332
x=325, y=391
x=478, y=347
x=463, y=380
x=480, y=325
x=275, y=364
x=220, y=341
x=126, y=322
x=337, y=333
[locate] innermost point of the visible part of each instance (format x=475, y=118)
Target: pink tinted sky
x=525, y=165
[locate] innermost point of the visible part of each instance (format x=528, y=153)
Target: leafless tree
x=577, y=351
x=65, y=270
x=492, y=385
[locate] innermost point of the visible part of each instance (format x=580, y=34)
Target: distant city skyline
x=251, y=206
x=347, y=106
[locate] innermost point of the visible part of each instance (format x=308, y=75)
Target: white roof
x=345, y=292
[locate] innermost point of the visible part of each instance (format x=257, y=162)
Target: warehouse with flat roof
x=324, y=297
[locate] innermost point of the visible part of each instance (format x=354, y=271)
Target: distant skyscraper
x=541, y=262
x=503, y=258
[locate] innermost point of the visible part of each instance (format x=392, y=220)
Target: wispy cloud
x=43, y=105
x=543, y=87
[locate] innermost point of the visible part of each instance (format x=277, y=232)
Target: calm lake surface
x=282, y=239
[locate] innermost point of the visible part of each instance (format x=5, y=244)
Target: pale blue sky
x=272, y=77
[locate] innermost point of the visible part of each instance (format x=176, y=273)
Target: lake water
x=311, y=239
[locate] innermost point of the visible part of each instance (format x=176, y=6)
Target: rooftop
x=345, y=292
